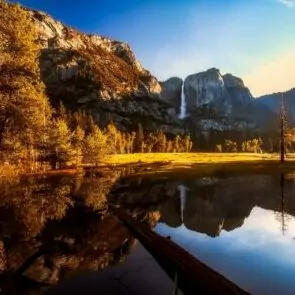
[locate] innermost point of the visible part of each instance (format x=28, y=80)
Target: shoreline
x=189, y=163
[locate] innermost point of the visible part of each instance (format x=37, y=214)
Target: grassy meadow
x=187, y=158
x=204, y=163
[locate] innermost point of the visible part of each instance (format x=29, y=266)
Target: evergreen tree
x=95, y=146
x=139, y=140
x=61, y=152
x=24, y=108
x=230, y=146
x=176, y=144
x=187, y=143
x=160, y=142
x=169, y=147
x=77, y=143
x=151, y=144
x=113, y=138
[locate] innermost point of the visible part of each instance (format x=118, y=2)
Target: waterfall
x=182, y=114
x=182, y=196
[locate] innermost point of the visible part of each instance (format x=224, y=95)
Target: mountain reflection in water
x=244, y=231
x=57, y=229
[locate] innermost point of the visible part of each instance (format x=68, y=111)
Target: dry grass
x=188, y=158
x=193, y=164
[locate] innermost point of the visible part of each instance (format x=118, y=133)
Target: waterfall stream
x=182, y=114
x=182, y=196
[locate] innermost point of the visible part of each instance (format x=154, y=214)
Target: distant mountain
x=218, y=102
x=272, y=101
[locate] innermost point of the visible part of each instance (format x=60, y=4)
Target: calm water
x=58, y=236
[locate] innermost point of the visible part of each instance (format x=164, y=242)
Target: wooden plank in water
x=193, y=276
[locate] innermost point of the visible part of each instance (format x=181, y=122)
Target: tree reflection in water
x=50, y=227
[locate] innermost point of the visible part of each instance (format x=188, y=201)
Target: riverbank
x=195, y=163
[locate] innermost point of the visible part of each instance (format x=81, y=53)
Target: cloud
x=288, y=3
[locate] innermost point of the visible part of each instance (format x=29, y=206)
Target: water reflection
x=50, y=227
x=244, y=232
x=54, y=228
x=182, y=197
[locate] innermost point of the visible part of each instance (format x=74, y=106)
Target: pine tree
x=62, y=112
x=169, y=147
x=95, y=147
x=60, y=147
x=187, y=143
x=139, y=140
x=176, y=144
x=113, y=137
x=77, y=143
x=282, y=130
x=24, y=108
x=160, y=144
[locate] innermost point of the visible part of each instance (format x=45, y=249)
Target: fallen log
x=193, y=276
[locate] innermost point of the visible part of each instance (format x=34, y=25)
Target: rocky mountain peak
x=212, y=99
x=54, y=34
x=99, y=75
x=232, y=81
x=70, y=54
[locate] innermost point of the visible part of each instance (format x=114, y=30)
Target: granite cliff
x=100, y=75
x=218, y=102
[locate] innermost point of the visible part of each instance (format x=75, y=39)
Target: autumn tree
x=139, y=140
x=176, y=144
x=77, y=144
x=161, y=141
x=187, y=143
x=24, y=108
x=95, y=146
x=61, y=152
x=230, y=146
x=114, y=136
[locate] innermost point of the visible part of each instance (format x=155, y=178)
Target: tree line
x=74, y=138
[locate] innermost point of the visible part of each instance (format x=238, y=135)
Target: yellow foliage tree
x=23, y=104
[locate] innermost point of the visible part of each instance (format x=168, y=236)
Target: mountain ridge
x=100, y=75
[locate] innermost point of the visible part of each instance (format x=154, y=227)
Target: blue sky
x=253, y=39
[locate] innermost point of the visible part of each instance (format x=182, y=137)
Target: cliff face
x=101, y=75
x=171, y=91
x=219, y=102
x=210, y=88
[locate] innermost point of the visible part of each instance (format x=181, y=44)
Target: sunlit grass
x=205, y=163
x=187, y=158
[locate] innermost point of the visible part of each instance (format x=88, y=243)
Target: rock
x=100, y=75
x=171, y=91
x=204, y=88
x=218, y=102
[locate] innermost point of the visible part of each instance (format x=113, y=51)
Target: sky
x=252, y=39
